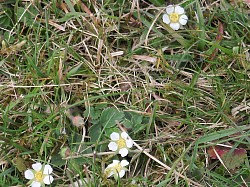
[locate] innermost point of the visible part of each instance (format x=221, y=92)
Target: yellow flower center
x=121, y=143
x=117, y=167
x=39, y=176
x=174, y=17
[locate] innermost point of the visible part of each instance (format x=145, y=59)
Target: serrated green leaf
x=93, y=113
x=27, y=16
x=127, y=123
x=136, y=118
x=94, y=132
x=110, y=117
x=57, y=160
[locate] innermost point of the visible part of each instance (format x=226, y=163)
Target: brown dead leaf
x=232, y=158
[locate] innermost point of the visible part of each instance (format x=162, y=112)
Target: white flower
x=39, y=175
x=120, y=143
x=175, y=17
x=117, y=168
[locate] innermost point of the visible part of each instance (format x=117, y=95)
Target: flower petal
x=121, y=173
x=183, y=19
x=166, y=19
x=124, y=163
x=35, y=184
x=110, y=166
x=111, y=173
x=113, y=146
x=114, y=136
x=48, y=179
x=123, y=152
x=179, y=10
x=170, y=9
x=116, y=162
x=37, y=166
x=175, y=26
x=129, y=143
x=124, y=135
x=28, y=174
x=47, y=169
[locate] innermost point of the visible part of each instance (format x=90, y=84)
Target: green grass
x=176, y=93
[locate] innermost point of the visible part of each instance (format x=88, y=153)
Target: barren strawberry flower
x=120, y=143
x=117, y=168
x=39, y=175
x=175, y=17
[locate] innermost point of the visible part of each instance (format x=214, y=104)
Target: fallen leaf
x=20, y=164
x=220, y=150
x=232, y=158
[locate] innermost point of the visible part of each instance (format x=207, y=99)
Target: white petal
x=121, y=173
x=37, y=166
x=48, y=179
x=110, y=166
x=129, y=143
x=175, y=26
x=28, y=174
x=123, y=152
x=113, y=146
x=35, y=184
x=183, y=19
x=114, y=136
x=179, y=10
x=111, y=173
x=47, y=169
x=115, y=162
x=124, y=135
x=166, y=19
x=124, y=163
x=170, y=9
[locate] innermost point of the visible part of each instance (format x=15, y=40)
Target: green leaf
x=27, y=15
x=235, y=159
x=6, y=17
x=136, y=118
x=93, y=113
x=110, y=117
x=127, y=123
x=19, y=163
x=57, y=160
x=95, y=132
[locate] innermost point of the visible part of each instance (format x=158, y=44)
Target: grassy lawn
x=73, y=72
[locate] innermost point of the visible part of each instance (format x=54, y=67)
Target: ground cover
x=109, y=93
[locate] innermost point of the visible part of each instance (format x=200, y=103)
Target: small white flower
x=120, y=143
x=175, y=17
x=39, y=175
x=117, y=168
